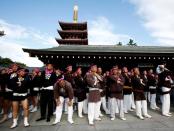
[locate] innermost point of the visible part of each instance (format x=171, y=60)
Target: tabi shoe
x=141, y=117
x=34, y=109
x=167, y=115
x=26, y=124
x=15, y=124
x=81, y=116
x=113, y=118
x=123, y=118
x=148, y=116
x=71, y=121
x=55, y=122
x=91, y=123
x=98, y=119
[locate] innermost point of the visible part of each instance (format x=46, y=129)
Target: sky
x=34, y=23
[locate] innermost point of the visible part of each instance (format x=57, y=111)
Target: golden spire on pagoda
x=75, y=14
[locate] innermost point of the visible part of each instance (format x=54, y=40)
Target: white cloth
x=36, y=88
x=103, y=102
x=141, y=108
x=20, y=94
x=82, y=108
x=8, y=90
x=166, y=104
x=153, y=99
x=109, y=105
x=93, y=111
x=147, y=95
x=127, y=101
x=85, y=106
x=117, y=103
x=59, y=110
x=47, y=88
x=165, y=89
x=133, y=102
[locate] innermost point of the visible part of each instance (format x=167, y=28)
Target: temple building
x=73, y=48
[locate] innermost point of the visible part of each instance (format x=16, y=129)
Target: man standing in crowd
x=127, y=91
x=94, y=100
x=152, y=84
x=80, y=91
x=140, y=100
x=102, y=91
x=48, y=78
x=19, y=86
x=116, y=93
x=165, y=82
x=146, y=87
x=35, y=84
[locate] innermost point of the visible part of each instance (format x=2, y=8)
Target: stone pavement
x=156, y=123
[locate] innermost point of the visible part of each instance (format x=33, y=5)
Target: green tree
x=6, y=62
x=119, y=44
x=131, y=43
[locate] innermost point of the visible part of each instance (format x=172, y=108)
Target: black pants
x=46, y=103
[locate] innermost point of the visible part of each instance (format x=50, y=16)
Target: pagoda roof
x=103, y=50
x=80, y=33
x=71, y=25
x=72, y=41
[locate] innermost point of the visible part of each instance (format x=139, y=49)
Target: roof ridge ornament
x=75, y=14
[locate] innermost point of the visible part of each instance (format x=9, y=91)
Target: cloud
x=16, y=53
x=19, y=37
x=158, y=18
x=101, y=32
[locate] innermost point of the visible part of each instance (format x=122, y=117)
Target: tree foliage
x=119, y=44
x=6, y=62
x=131, y=43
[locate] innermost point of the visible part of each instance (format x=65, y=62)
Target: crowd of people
x=93, y=93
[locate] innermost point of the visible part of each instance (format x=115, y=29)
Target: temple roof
x=72, y=41
x=71, y=25
x=79, y=33
x=104, y=50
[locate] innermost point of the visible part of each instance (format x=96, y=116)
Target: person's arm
x=70, y=94
x=90, y=81
x=56, y=94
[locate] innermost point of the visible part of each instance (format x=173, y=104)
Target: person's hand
x=118, y=81
x=70, y=103
x=58, y=102
x=141, y=80
x=19, y=83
